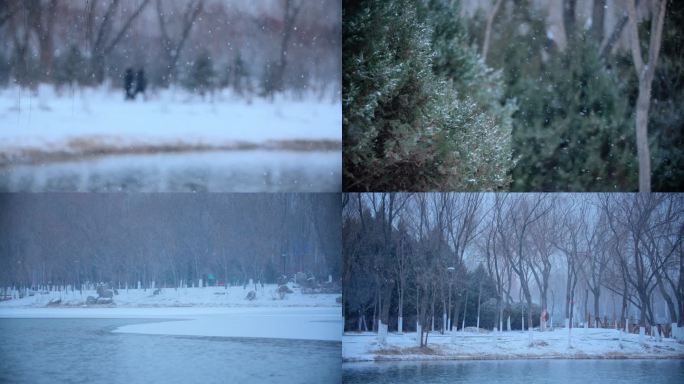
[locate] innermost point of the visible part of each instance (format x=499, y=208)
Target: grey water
x=86, y=351
x=219, y=171
x=517, y=372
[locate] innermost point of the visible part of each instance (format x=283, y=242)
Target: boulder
x=300, y=278
x=91, y=300
x=157, y=291
x=54, y=302
x=251, y=296
x=104, y=300
x=281, y=280
x=104, y=292
x=282, y=291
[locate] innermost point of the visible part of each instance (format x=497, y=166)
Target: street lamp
x=450, y=271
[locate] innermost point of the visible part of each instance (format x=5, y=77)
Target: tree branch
x=634, y=38
x=126, y=25
x=488, y=29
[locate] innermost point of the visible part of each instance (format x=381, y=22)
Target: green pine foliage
x=573, y=131
x=236, y=76
x=666, y=116
x=413, y=119
x=69, y=68
x=202, y=75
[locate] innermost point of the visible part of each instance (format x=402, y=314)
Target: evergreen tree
x=236, y=76
x=5, y=69
x=405, y=126
x=573, y=131
x=69, y=68
x=666, y=119
x=267, y=84
x=202, y=75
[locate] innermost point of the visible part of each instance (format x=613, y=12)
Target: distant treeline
x=73, y=239
x=203, y=45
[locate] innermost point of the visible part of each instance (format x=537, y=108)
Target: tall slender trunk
x=597, y=294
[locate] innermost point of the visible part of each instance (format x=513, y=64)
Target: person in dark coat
x=140, y=82
x=128, y=84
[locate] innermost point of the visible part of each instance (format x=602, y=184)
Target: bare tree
x=639, y=220
x=569, y=222
x=101, y=36
x=645, y=73
x=541, y=234
x=595, y=260
x=522, y=212
x=497, y=265
x=276, y=81
x=172, y=44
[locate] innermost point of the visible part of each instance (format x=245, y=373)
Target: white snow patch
x=586, y=343
x=200, y=312
x=167, y=118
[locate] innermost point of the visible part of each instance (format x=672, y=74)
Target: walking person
x=140, y=83
x=128, y=84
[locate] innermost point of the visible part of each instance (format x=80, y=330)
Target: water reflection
x=517, y=372
x=237, y=171
x=84, y=351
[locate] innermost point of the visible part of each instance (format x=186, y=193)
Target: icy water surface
x=517, y=372
x=86, y=351
x=227, y=171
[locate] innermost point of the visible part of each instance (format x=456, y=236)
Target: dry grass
x=89, y=147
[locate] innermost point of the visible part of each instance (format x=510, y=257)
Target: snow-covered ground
x=199, y=312
x=232, y=296
x=51, y=126
x=589, y=343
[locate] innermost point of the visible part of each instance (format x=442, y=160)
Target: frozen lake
x=221, y=171
x=86, y=351
x=517, y=371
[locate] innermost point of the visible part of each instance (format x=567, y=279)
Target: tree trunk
x=597, y=19
x=569, y=18
x=643, y=152
x=596, y=307
x=488, y=29
x=645, y=73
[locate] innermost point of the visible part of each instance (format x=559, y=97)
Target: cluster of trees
x=449, y=260
x=574, y=95
x=266, y=48
x=584, y=93
x=74, y=239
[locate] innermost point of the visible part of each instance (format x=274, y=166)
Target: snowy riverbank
x=586, y=344
x=200, y=312
x=47, y=126
x=232, y=296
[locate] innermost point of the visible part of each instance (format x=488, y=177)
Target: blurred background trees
x=567, y=63
x=70, y=239
x=90, y=43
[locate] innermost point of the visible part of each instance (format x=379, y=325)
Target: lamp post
x=450, y=272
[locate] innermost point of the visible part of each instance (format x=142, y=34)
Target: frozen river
x=86, y=351
x=517, y=371
x=221, y=171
